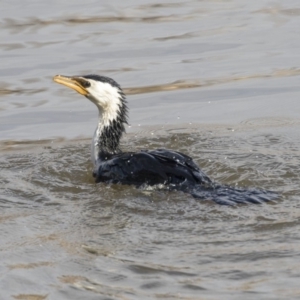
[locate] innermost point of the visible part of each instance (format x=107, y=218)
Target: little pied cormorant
x=175, y=170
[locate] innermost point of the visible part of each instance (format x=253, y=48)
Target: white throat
x=108, y=100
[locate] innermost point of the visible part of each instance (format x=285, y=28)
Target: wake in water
x=227, y=195
x=220, y=194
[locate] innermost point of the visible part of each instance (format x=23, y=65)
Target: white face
x=107, y=98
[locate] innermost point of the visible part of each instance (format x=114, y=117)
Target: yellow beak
x=75, y=83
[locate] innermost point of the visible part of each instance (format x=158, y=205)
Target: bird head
x=103, y=91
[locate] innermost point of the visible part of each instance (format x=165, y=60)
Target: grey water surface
x=217, y=80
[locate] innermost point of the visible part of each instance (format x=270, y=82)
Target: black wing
x=176, y=170
x=151, y=167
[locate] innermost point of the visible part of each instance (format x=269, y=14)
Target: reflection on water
x=182, y=84
x=218, y=80
x=179, y=84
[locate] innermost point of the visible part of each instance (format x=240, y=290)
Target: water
x=217, y=80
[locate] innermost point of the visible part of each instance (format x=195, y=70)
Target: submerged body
x=159, y=166
x=173, y=169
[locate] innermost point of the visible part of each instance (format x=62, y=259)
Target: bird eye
x=86, y=84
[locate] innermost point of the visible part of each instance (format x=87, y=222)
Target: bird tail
x=227, y=195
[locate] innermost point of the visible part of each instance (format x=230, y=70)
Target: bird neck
x=107, y=136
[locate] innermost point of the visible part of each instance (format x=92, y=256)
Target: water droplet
x=152, y=133
x=178, y=117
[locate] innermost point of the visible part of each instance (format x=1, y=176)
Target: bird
x=170, y=168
